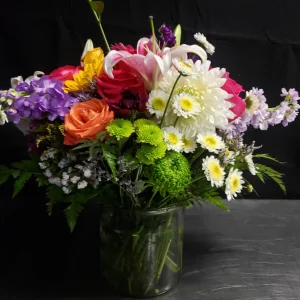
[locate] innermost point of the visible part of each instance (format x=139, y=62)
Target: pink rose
x=232, y=87
x=65, y=73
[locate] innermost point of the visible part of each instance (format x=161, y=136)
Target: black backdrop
x=257, y=41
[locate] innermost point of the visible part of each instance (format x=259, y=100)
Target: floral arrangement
x=141, y=127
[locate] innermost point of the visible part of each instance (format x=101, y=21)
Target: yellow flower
x=92, y=61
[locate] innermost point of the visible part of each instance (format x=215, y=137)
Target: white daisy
x=185, y=67
x=201, y=39
x=157, y=102
x=206, y=87
x=252, y=103
x=213, y=171
x=250, y=163
x=234, y=183
x=186, y=105
x=211, y=142
x=189, y=145
x=173, y=138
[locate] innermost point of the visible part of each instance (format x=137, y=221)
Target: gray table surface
x=251, y=253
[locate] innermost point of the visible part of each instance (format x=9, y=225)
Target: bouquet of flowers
x=145, y=129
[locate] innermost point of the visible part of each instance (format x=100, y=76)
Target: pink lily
x=150, y=62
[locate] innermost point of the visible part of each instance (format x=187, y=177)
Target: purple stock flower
x=167, y=36
x=292, y=94
x=45, y=99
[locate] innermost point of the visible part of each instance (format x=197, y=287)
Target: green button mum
x=150, y=134
x=120, y=128
x=148, y=154
x=171, y=173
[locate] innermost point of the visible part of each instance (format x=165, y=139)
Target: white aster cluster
x=66, y=173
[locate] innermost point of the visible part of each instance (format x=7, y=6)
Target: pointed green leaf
x=20, y=182
x=54, y=194
x=72, y=213
x=177, y=33
x=97, y=7
x=4, y=178
x=110, y=158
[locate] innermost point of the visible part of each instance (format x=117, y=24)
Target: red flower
x=125, y=92
x=122, y=47
x=232, y=87
x=65, y=73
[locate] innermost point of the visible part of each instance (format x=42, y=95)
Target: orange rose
x=85, y=120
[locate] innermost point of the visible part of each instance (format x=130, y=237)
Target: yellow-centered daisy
x=213, y=171
x=186, y=105
x=173, y=138
x=189, y=145
x=185, y=67
x=211, y=142
x=234, y=183
x=157, y=102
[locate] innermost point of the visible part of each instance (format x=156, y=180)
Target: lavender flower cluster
x=260, y=116
x=37, y=99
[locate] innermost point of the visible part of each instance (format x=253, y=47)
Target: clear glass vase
x=141, y=252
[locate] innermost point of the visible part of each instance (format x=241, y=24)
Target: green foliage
x=74, y=209
x=20, y=182
x=201, y=190
x=265, y=172
x=267, y=156
x=54, y=195
x=97, y=7
x=109, y=154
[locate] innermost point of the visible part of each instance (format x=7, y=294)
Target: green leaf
x=72, y=213
x=101, y=136
x=54, y=195
x=15, y=173
x=82, y=146
x=20, y=182
x=177, y=33
x=265, y=172
x=27, y=165
x=97, y=7
x=110, y=158
x=217, y=201
x=4, y=177
x=41, y=180
x=267, y=156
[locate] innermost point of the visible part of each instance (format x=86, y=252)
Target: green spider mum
x=120, y=128
x=171, y=173
x=150, y=134
x=148, y=154
x=140, y=122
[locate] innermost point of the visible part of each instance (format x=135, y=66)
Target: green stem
x=196, y=156
x=197, y=178
x=171, y=94
x=153, y=33
x=103, y=34
x=150, y=201
x=176, y=121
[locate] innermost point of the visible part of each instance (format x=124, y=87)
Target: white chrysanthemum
x=234, y=183
x=189, y=145
x=211, y=142
x=173, y=138
x=252, y=103
x=250, y=163
x=202, y=40
x=157, y=102
x=186, y=105
x=82, y=184
x=206, y=87
x=213, y=171
x=185, y=67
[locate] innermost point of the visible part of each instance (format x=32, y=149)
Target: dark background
x=257, y=41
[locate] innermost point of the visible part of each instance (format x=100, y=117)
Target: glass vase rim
x=152, y=211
